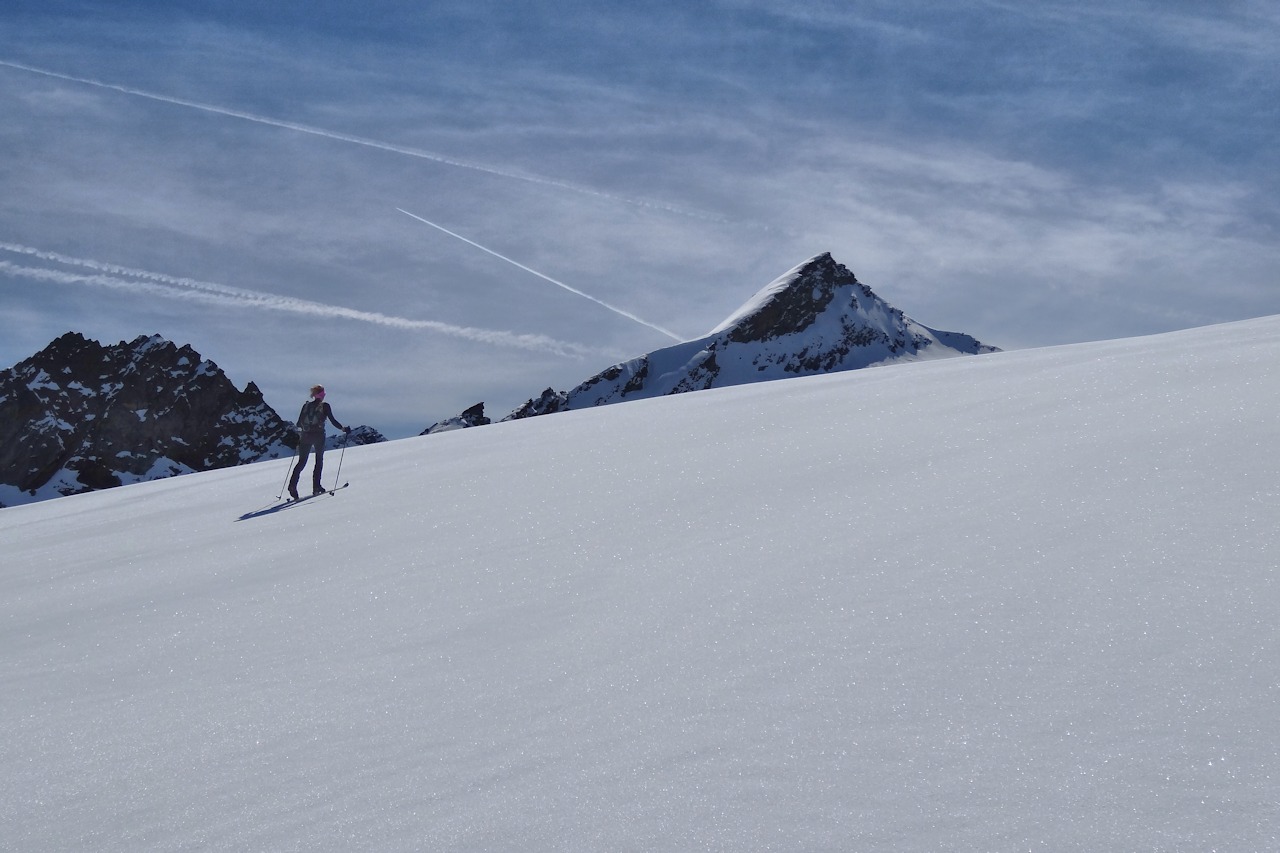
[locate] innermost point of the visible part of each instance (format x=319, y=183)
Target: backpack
x=311, y=418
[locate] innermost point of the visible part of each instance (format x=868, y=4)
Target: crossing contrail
x=369, y=143
x=173, y=287
x=615, y=309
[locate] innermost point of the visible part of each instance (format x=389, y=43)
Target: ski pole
x=337, y=476
x=287, y=470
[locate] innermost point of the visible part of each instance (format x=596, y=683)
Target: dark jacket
x=312, y=417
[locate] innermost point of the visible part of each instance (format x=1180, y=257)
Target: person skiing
x=311, y=437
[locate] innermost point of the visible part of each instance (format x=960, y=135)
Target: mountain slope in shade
x=817, y=318
x=80, y=416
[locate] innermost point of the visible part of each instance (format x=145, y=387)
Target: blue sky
x=233, y=176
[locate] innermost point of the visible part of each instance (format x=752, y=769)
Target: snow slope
x=1024, y=601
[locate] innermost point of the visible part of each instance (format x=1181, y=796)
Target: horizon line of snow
x=615, y=309
x=160, y=284
x=370, y=143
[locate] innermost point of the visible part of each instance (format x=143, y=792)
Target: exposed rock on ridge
x=472, y=417
x=80, y=416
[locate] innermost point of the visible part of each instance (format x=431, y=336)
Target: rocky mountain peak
x=816, y=318
x=79, y=416
x=791, y=303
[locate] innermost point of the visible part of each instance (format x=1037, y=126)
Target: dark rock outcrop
x=472, y=417
x=80, y=416
x=548, y=403
x=363, y=434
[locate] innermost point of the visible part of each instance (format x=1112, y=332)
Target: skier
x=311, y=437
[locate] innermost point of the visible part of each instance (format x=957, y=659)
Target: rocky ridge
x=80, y=416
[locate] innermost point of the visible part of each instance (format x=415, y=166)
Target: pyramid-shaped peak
x=815, y=318
x=822, y=262
x=794, y=300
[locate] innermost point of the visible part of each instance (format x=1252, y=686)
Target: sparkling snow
x=1021, y=601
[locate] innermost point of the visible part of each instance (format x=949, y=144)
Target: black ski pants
x=307, y=442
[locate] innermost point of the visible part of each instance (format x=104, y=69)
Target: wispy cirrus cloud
x=1031, y=173
x=367, y=142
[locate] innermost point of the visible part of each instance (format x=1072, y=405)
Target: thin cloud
x=147, y=283
x=1231, y=30
x=369, y=143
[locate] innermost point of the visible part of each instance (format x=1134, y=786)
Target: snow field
x=1017, y=601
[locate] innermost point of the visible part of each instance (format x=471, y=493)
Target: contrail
x=173, y=287
x=369, y=143
x=612, y=308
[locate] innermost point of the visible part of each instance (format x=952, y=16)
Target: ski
x=302, y=498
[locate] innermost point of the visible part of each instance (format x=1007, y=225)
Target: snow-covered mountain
x=817, y=318
x=79, y=416
x=1021, y=602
